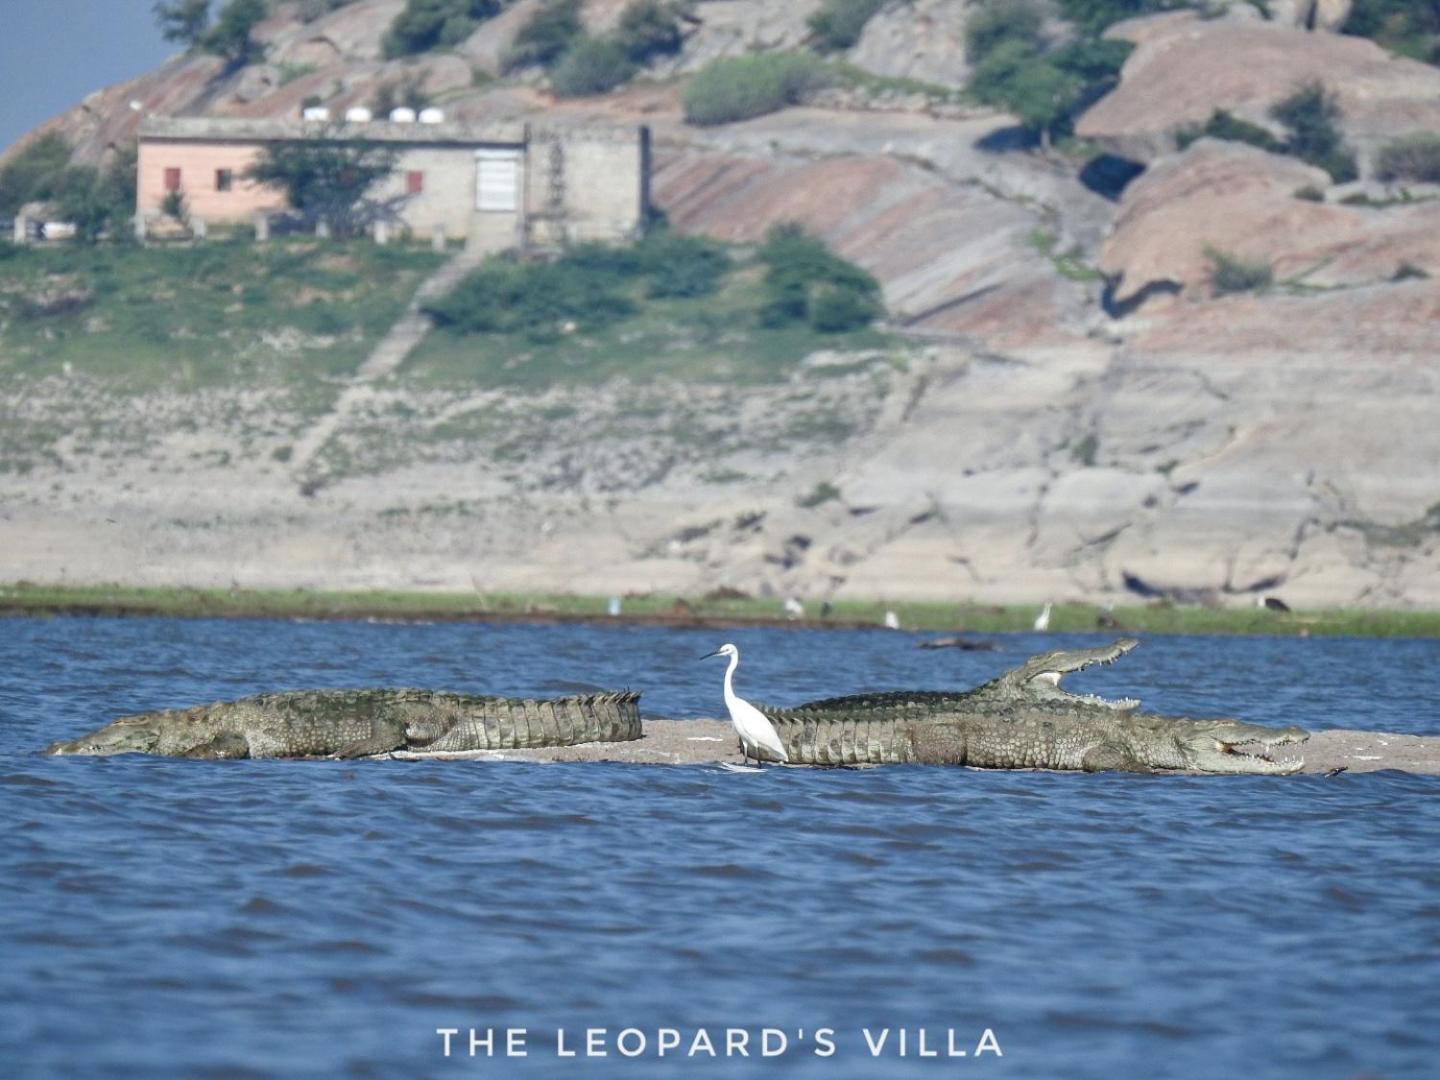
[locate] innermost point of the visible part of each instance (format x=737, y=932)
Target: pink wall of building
x=199, y=164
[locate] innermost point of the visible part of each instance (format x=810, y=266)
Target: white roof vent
x=432, y=116
x=315, y=112
x=402, y=115
x=358, y=114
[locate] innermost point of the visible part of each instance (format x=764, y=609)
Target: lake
x=169, y=918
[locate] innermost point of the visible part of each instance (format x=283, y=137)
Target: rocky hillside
x=1215, y=380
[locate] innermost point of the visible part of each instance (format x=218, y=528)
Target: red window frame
x=224, y=179
x=172, y=178
x=414, y=182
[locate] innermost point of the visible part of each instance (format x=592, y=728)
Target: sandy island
x=703, y=742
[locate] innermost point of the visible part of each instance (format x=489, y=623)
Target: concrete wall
x=604, y=181
x=198, y=162
x=447, y=198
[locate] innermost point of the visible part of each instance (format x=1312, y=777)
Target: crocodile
x=361, y=723
x=1024, y=720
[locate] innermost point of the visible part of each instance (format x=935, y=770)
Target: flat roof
x=449, y=132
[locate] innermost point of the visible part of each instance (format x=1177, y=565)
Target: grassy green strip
x=28, y=599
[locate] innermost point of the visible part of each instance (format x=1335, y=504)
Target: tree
x=996, y=22
x=550, y=30
x=649, y=28
x=32, y=174
x=95, y=200
x=183, y=20
x=1015, y=77
x=1018, y=70
x=326, y=179
x=426, y=24
x=230, y=36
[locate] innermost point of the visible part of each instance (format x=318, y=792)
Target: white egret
x=794, y=609
x=1042, y=621
x=755, y=731
x=892, y=621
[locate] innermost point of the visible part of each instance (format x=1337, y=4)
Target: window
x=224, y=179
x=172, y=179
x=414, y=182
x=497, y=180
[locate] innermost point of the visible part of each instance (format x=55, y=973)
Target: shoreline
x=23, y=599
x=712, y=742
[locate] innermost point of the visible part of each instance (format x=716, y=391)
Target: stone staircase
x=389, y=353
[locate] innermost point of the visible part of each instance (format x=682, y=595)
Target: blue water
x=177, y=918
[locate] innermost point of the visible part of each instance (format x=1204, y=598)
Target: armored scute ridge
x=357, y=723
x=1024, y=720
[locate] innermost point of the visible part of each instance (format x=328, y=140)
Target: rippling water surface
x=163, y=917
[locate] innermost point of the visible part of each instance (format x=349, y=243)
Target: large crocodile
x=1024, y=720
x=358, y=723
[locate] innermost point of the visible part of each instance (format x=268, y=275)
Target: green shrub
x=676, y=265
x=806, y=281
x=538, y=300
x=838, y=24
x=1231, y=274
x=1310, y=114
x=682, y=266
x=1224, y=125
x=310, y=10
x=409, y=92
x=591, y=66
x=593, y=256
x=649, y=28
x=428, y=24
x=1408, y=27
x=173, y=205
x=1094, y=16
x=819, y=495
x=746, y=86
x=551, y=29
x=1000, y=22
x=1411, y=157
x=834, y=310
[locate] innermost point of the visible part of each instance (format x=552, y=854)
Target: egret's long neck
x=729, y=685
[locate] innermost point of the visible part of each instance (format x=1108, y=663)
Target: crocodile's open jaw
x=1259, y=747
x=1050, y=678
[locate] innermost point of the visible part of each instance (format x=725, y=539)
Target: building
x=496, y=186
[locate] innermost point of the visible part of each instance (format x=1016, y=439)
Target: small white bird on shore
x=755, y=731
x=794, y=609
x=892, y=621
x=1042, y=621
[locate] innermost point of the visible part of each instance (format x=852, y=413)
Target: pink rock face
x=1183, y=68
x=1241, y=201
x=951, y=259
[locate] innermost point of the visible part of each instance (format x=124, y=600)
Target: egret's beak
x=710, y=654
